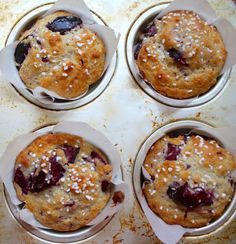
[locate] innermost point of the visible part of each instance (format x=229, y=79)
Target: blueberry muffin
x=191, y=181
x=60, y=54
x=180, y=55
x=63, y=180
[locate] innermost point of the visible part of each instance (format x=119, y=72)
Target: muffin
x=180, y=55
x=63, y=180
x=191, y=181
x=60, y=54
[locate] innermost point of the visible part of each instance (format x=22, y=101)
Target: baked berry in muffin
x=60, y=54
x=191, y=182
x=63, y=180
x=180, y=55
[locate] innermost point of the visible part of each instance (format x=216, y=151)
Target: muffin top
x=191, y=181
x=180, y=55
x=60, y=54
x=63, y=180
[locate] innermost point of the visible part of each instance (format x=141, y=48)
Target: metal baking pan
x=124, y=113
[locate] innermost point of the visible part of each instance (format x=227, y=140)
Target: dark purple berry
x=186, y=137
x=188, y=166
x=57, y=171
x=20, y=179
x=105, y=185
x=152, y=177
x=45, y=59
x=94, y=155
x=177, y=56
x=37, y=183
x=70, y=152
x=150, y=30
x=137, y=48
x=172, y=151
x=21, y=52
x=63, y=24
x=70, y=204
x=190, y=197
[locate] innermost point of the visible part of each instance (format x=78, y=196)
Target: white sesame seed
x=170, y=169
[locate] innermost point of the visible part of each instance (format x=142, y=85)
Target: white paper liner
x=76, y=128
x=161, y=228
x=225, y=28
x=79, y=8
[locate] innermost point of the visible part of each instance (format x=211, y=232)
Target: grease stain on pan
x=131, y=163
x=135, y=222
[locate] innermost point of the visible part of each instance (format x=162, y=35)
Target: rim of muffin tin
x=80, y=235
x=139, y=24
x=95, y=89
x=181, y=127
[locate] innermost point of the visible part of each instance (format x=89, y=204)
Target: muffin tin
x=137, y=27
x=124, y=113
x=94, y=91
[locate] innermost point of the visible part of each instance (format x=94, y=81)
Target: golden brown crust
x=77, y=196
x=72, y=61
x=198, y=46
x=201, y=163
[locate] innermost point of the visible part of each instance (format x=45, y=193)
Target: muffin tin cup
x=26, y=219
x=51, y=100
x=140, y=175
x=207, y=13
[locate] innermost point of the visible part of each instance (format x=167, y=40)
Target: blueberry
x=173, y=189
x=57, y=171
x=177, y=56
x=190, y=197
x=45, y=59
x=188, y=166
x=152, y=177
x=63, y=24
x=186, y=137
x=172, y=152
x=20, y=179
x=105, y=185
x=137, y=48
x=37, y=183
x=94, y=155
x=70, y=152
x=70, y=204
x=150, y=30
x=21, y=52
